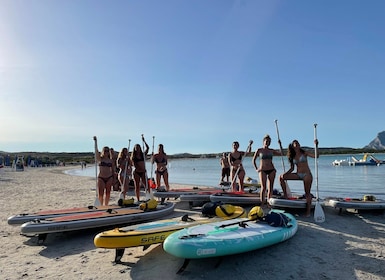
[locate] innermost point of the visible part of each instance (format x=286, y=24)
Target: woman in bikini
x=138, y=160
x=266, y=168
x=298, y=158
x=237, y=170
x=125, y=171
x=106, y=173
x=161, y=167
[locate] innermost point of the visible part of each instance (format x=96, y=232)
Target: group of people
x=133, y=165
x=130, y=166
x=299, y=168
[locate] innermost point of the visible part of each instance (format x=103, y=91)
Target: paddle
x=96, y=202
x=288, y=192
x=152, y=163
x=319, y=216
x=149, y=195
x=236, y=173
x=240, y=223
x=125, y=167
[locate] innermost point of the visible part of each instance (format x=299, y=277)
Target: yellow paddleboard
x=146, y=234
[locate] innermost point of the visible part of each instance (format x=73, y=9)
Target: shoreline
x=346, y=246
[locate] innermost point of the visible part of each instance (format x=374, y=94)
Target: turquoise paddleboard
x=227, y=238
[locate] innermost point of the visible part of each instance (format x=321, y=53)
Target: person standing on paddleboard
x=266, y=168
x=161, y=161
x=138, y=160
x=106, y=173
x=298, y=158
x=237, y=170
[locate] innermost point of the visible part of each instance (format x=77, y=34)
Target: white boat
x=341, y=162
x=353, y=161
x=363, y=161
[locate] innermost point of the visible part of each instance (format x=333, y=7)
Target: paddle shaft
x=319, y=215
x=97, y=201
x=316, y=160
x=152, y=164
x=288, y=192
x=127, y=159
x=144, y=157
x=280, y=145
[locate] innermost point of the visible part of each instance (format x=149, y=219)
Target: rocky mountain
x=378, y=143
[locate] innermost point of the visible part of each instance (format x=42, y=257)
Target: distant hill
x=378, y=143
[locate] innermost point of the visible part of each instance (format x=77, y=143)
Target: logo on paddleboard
x=204, y=252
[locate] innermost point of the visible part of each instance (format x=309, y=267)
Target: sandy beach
x=346, y=246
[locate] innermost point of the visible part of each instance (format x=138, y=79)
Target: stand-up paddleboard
x=293, y=202
x=146, y=234
x=368, y=202
x=250, y=182
x=47, y=214
x=203, y=196
x=236, y=198
x=176, y=193
x=110, y=217
x=226, y=238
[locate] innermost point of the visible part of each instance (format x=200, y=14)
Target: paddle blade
x=319, y=216
x=97, y=202
x=288, y=191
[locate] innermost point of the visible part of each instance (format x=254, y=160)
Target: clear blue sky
x=195, y=74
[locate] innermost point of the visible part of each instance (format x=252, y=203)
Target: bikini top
x=106, y=164
x=138, y=159
x=302, y=158
x=163, y=160
x=234, y=159
x=269, y=155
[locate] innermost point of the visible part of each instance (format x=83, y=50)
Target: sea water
x=333, y=181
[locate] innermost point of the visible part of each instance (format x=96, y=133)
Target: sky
x=194, y=75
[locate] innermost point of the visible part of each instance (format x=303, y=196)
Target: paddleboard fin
x=183, y=267
x=118, y=255
x=41, y=238
x=145, y=247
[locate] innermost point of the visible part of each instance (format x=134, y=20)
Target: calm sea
x=340, y=181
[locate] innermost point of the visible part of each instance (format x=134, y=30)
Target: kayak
x=110, y=217
x=227, y=237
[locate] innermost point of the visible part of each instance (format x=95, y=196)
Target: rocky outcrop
x=378, y=143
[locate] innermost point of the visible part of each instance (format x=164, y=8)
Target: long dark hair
x=291, y=152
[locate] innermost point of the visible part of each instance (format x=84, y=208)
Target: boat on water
x=353, y=161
